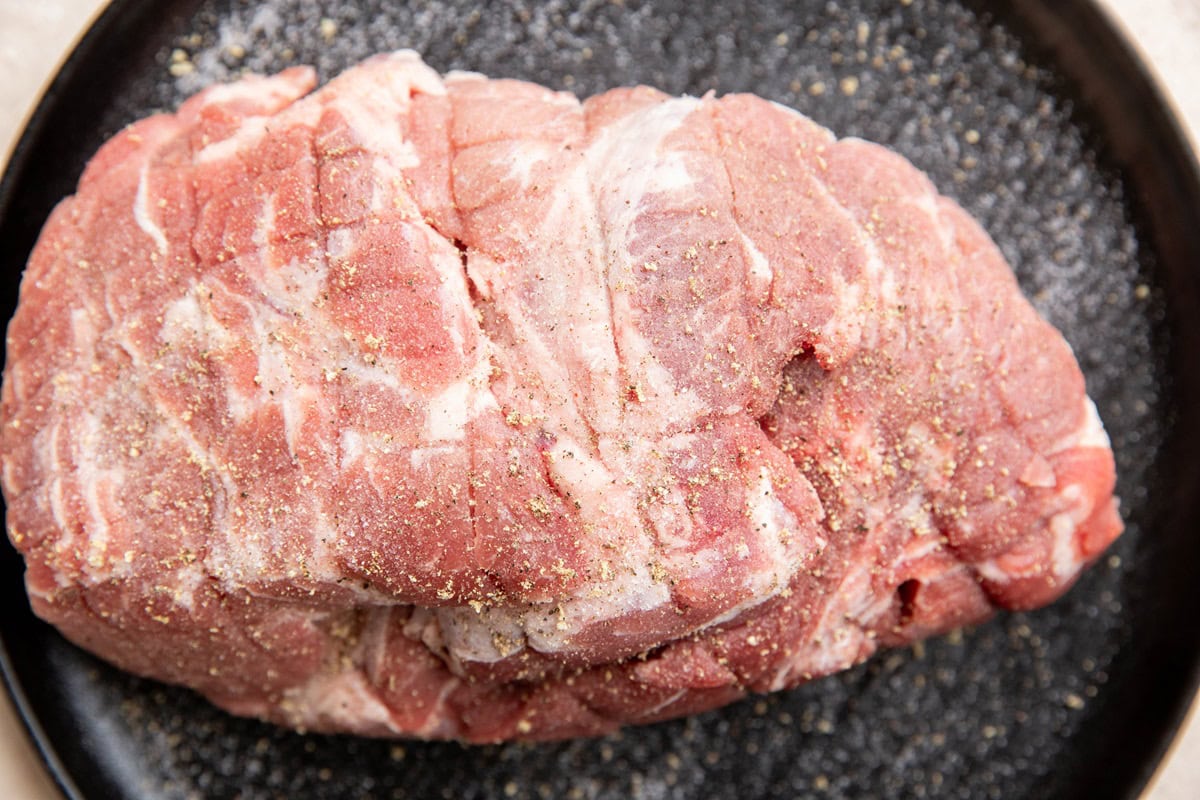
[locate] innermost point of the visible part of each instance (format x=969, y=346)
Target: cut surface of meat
x=457, y=408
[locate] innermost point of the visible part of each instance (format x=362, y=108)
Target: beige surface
x=34, y=36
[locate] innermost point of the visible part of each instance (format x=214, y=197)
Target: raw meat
x=455, y=408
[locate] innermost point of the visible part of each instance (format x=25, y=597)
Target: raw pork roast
x=456, y=408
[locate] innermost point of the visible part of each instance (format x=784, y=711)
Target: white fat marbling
x=144, y=216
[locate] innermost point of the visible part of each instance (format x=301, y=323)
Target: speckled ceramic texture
x=1017, y=707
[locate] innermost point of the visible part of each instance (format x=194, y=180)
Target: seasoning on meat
x=456, y=408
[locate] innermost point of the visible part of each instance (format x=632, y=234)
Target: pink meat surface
x=456, y=408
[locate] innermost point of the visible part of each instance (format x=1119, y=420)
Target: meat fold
x=457, y=408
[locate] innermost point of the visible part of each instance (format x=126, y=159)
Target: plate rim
x=1122, y=56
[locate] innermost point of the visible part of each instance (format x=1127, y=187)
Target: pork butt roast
x=457, y=408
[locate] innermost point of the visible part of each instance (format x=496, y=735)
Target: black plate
x=1035, y=115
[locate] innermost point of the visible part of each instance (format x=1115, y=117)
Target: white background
x=36, y=34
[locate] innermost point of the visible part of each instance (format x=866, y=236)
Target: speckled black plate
x=1033, y=114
